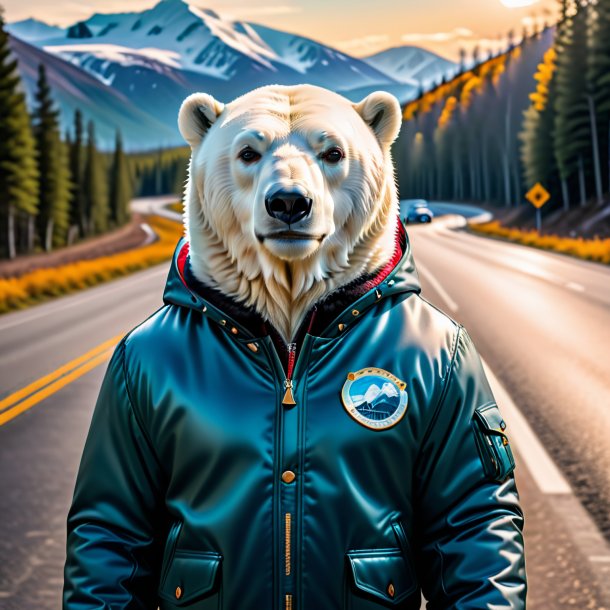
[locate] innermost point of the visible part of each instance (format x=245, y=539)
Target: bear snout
x=288, y=206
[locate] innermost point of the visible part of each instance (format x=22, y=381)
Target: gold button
x=355, y=312
x=288, y=476
x=253, y=347
x=178, y=592
x=234, y=330
x=391, y=590
x=341, y=327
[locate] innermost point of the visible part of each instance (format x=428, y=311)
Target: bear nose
x=288, y=206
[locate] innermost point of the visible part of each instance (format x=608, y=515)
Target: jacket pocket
x=191, y=580
x=492, y=442
x=378, y=578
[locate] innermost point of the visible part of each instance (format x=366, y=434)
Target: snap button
x=234, y=330
x=178, y=592
x=288, y=476
x=391, y=591
x=204, y=309
x=341, y=327
x=355, y=312
x=253, y=347
x=223, y=322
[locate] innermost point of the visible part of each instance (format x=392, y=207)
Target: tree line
x=53, y=190
x=566, y=131
x=538, y=112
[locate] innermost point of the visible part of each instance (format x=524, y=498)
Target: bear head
x=291, y=193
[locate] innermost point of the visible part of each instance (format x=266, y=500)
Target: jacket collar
x=328, y=318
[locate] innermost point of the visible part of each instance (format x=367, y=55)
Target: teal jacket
x=355, y=470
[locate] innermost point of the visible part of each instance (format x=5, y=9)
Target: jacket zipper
x=288, y=395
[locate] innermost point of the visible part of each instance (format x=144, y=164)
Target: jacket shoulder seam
x=443, y=313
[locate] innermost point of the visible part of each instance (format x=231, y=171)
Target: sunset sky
x=358, y=27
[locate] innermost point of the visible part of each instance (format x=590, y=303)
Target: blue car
x=417, y=210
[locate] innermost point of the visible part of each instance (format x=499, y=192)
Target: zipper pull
x=288, y=396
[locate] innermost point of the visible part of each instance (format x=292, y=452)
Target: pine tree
x=599, y=93
x=538, y=127
x=78, y=217
x=120, y=185
x=54, y=180
x=572, y=143
x=18, y=172
x=95, y=192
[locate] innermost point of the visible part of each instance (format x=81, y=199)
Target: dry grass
x=176, y=207
x=589, y=249
x=43, y=284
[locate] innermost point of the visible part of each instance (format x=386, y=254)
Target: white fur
x=354, y=201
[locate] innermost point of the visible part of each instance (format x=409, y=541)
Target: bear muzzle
x=288, y=206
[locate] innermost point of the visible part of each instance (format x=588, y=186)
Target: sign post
x=538, y=196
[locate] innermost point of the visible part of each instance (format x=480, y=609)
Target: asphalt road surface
x=540, y=321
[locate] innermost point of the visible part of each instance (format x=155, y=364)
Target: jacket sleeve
x=112, y=553
x=469, y=522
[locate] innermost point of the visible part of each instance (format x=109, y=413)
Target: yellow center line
x=27, y=397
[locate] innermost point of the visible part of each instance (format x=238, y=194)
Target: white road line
x=539, y=463
x=44, y=311
x=451, y=304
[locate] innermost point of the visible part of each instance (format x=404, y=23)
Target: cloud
x=365, y=45
x=450, y=44
x=436, y=37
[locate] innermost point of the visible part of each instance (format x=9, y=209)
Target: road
x=540, y=321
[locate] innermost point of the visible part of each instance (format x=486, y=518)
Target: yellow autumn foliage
x=463, y=87
x=42, y=284
x=448, y=111
x=595, y=249
x=543, y=76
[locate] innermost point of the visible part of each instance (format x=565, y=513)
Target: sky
x=357, y=27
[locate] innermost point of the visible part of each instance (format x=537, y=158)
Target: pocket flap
x=382, y=573
x=491, y=418
x=496, y=454
x=191, y=575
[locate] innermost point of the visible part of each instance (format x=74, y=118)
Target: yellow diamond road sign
x=538, y=195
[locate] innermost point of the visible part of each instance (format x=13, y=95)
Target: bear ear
x=381, y=111
x=197, y=114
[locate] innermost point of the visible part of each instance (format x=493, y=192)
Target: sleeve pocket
x=382, y=574
x=192, y=575
x=492, y=442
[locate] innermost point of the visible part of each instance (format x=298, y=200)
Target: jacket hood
x=398, y=276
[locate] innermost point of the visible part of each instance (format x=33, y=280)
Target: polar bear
x=291, y=193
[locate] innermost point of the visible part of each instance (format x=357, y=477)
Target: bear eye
x=332, y=155
x=249, y=155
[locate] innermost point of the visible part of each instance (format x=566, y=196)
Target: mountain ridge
x=173, y=48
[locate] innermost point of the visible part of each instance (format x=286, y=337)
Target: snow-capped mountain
x=110, y=110
x=33, y=30
x=375, y=395
x=412, y=65
x=151, y=60
x=199, y=40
